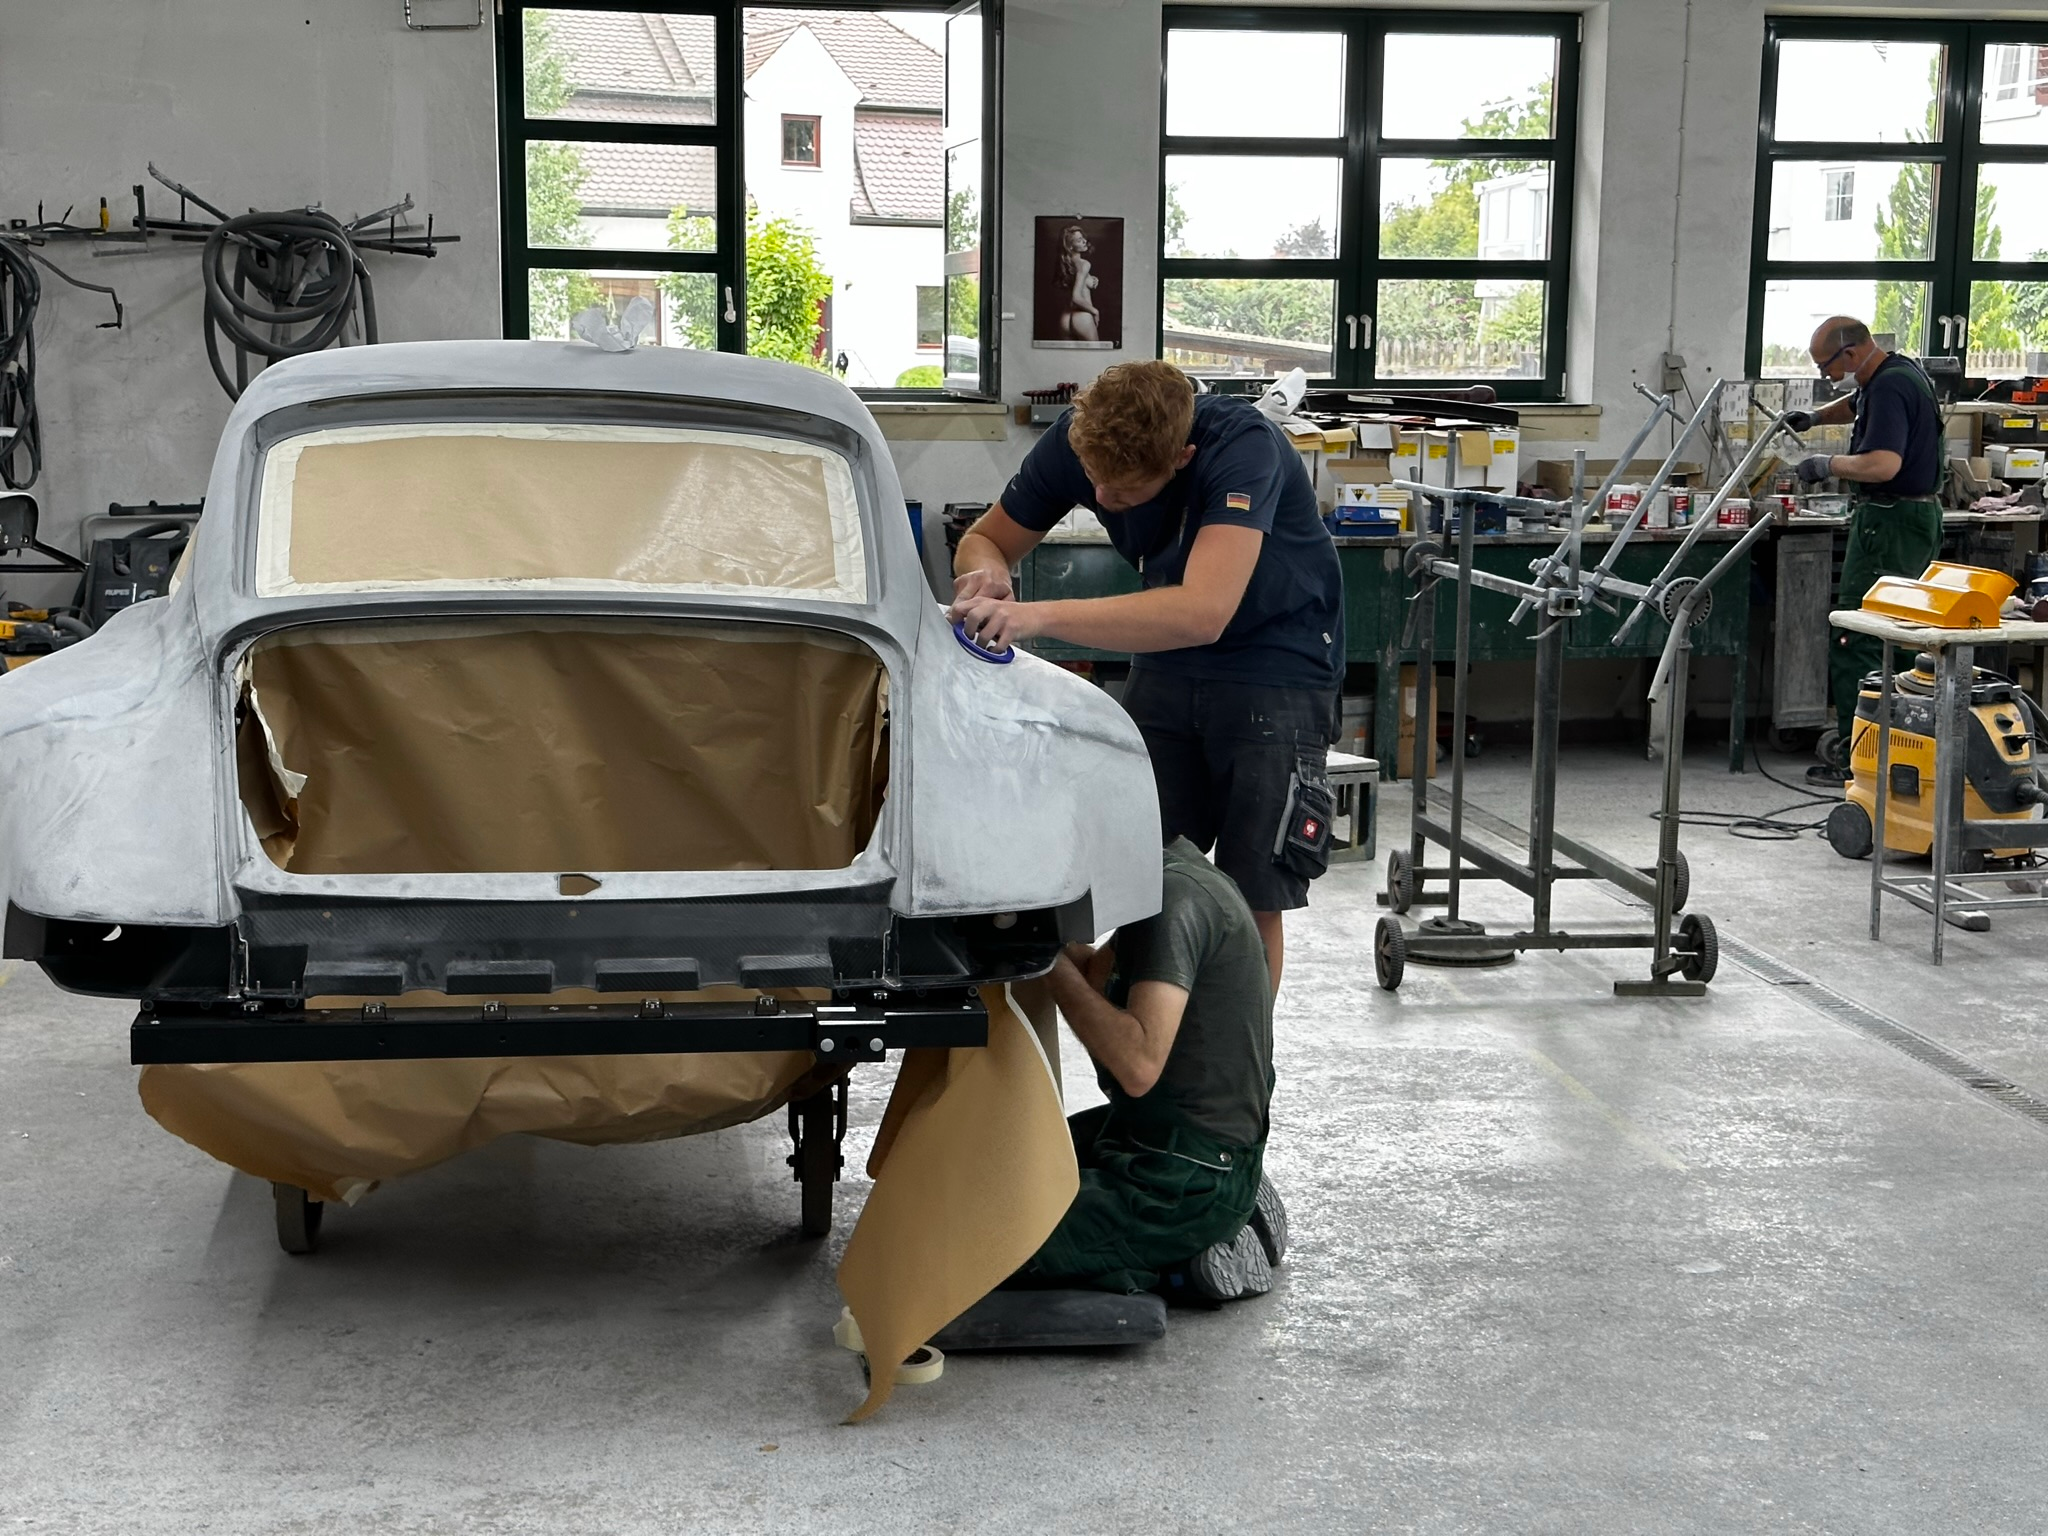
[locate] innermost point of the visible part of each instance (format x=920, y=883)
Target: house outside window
x=676, y=152
x=1840, y=196
x=799, y=140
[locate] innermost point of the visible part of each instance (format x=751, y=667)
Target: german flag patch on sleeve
x=1237, y=501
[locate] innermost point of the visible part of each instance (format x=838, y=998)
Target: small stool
x=1355, y=782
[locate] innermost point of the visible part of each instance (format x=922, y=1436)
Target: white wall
x=252, y=103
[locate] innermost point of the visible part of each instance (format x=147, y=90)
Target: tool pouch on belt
x=1302, y=845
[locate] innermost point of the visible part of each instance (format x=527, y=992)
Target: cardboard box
x=1360, y=469
x=1555, y=475
x=2011, y=461
x=1405, y=461
x=1375, y=435
x=1405, y=748
x=1506, y=457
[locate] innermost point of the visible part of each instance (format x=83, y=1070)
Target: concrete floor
x=1561, y=1263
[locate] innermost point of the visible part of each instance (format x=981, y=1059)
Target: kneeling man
x=1177, y=1014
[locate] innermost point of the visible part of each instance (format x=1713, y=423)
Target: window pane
x=628, y=197
x=1250, y=325
x=2015, y=93
x=1251, y=205
x=1830, y=210
x=2012, y=212
x=685, y=303
x=931, y=317
x=1498, y=210
x=961, y=203
x=845, y=187
x=620, y=67
x=1266, y=84
x=1794, y=310
x=1859, y=91
x=1467, y=86
x=1475, y=328
x=2008, y=330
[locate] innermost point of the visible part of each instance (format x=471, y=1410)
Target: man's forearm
x=1836, y=413
x=1873, y=468
x=978, y=552
x=1112, y=1038
x=1161, y=619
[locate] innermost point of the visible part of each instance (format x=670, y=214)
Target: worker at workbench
x=1894, y=466
x=1238, y=636
x=1176, y=1012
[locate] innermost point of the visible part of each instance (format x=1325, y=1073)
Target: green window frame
x=1956, y=297
x=972, y=240
x=1360, y=353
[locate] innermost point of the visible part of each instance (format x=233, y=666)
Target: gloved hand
x=1815, y=468
x=1799, y=421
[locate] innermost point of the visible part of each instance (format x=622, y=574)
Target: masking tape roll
x=846, y=1332
x=925, y=1364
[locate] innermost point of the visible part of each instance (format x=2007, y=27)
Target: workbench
x=1944, y=886
x=1376, y=608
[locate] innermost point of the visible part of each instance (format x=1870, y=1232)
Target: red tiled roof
x=886, y=64
x=626, y=66
x=654, y=177
x=899, y=166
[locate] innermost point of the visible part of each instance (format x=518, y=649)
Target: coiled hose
x=21, y=290
x=296, y=282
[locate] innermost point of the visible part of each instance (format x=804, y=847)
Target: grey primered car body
x=1017, y=788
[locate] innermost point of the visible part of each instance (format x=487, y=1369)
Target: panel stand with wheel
x=1683, y=953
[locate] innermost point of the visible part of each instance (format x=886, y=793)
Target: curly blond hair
x=1133, y=421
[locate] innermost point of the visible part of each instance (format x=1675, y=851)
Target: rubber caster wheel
x=1701, y=947
x=1400, y=880
x=1389, y=954
x=298, y=1218
x=1849, y=831
x=1681, y=889
x=816, y=1160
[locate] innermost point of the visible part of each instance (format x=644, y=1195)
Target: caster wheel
x=1701, y=947
x=1849, y=831
x=816, y=1158
x=1389, y=953
x=1681, y=887
x=1400, y=880
x=298, y=1218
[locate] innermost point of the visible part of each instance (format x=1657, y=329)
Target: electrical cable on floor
x=295, y=285
x=1770, y=826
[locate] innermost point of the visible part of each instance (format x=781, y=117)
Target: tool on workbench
x=1943, y=596
x=2002, y=775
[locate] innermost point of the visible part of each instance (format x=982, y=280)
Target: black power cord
x=294, y=284
x=1770, y=826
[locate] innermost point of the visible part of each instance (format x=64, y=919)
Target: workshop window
x=799, y=140
x=1945, y=131
x=1374, y=198
x=628, y=175
x=1841, y=197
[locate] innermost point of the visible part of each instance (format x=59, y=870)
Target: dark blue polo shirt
x=1289, y=628
x=1895, y=410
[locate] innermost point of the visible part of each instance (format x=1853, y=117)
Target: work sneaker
x=1269, y=1221
x=1231, y=1271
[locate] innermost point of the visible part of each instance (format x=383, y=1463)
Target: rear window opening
x=572, y=747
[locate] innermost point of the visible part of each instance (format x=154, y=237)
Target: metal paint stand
x=1684, y=952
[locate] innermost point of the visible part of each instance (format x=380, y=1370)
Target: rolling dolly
x=1684, y=950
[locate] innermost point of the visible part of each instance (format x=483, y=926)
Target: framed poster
x=1077, y=282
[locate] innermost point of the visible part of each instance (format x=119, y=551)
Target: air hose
x=21, y=290
x=295, y=283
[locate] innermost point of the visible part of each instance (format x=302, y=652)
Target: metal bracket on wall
x=443, y=26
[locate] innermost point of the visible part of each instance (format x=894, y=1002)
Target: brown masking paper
x=336, y=1128
x=973, y=1168
x=570, y=746
x=450, y=505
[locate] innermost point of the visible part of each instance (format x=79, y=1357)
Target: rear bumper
x=855, y=1027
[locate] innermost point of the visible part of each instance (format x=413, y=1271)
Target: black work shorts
x=1223, y=754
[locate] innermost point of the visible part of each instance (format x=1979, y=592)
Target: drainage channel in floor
x=1824, y=999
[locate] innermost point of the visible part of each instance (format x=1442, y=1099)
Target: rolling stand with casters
x=1684, y=951
x=817, y=1131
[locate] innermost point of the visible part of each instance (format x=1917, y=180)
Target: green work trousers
x=1155, y=1191
x=1898, y=538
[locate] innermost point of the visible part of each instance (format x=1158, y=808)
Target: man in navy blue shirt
x=1894, y=467
x=1238, y=634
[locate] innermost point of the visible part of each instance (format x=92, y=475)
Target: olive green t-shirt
x=1219, y=1074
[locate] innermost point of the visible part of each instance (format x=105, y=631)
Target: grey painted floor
x=1561, y=1263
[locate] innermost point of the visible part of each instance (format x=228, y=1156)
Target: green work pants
x=1154, y=1193
x=1898, y=538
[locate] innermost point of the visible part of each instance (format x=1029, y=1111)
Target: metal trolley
x=1684, y=950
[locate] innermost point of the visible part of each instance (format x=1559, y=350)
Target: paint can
x=1734, y=513
x=1660, y=511
x=1622, y=502
x=1681, y=506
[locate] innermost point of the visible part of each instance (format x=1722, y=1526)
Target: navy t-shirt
x=1289, y=627
x=1895, y=410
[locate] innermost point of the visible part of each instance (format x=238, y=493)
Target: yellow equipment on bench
x=2001, y=781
